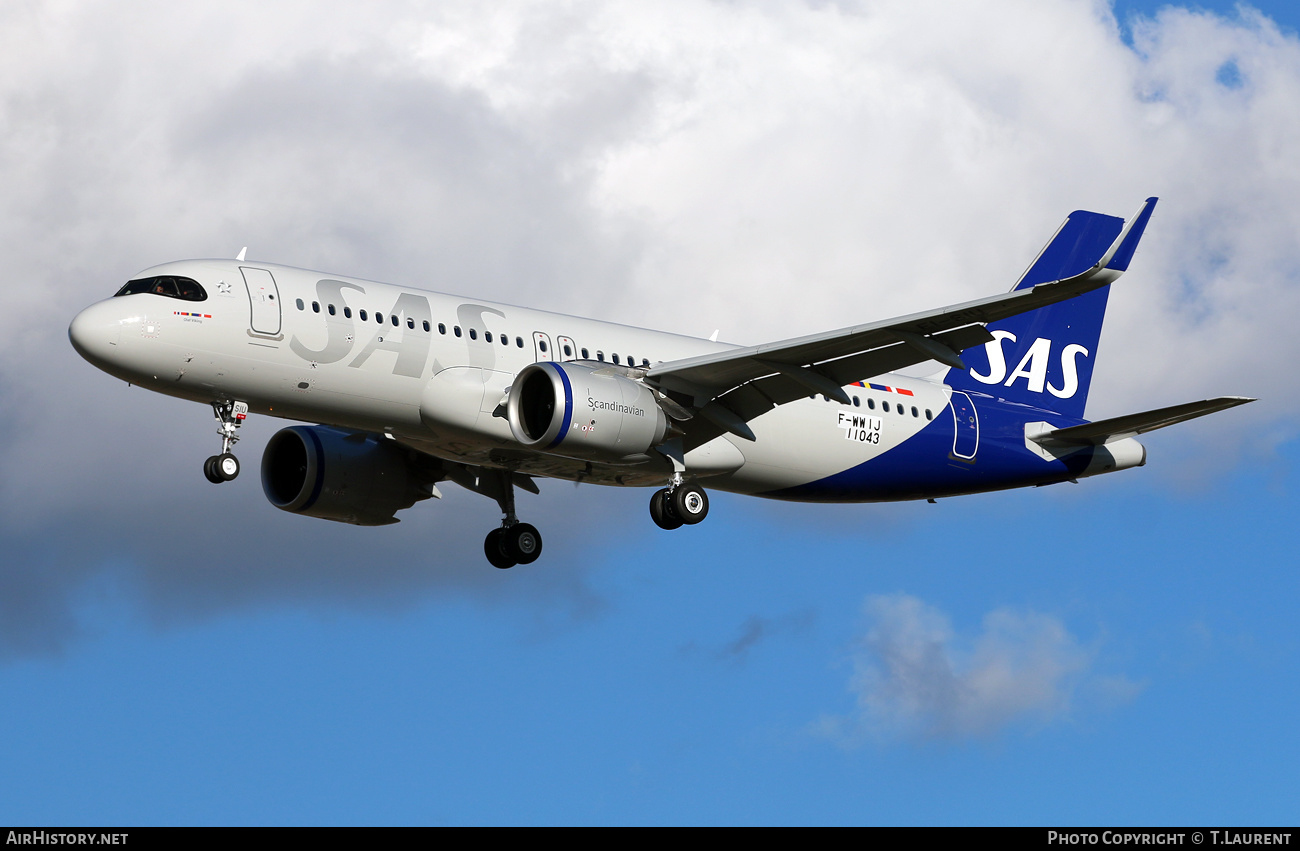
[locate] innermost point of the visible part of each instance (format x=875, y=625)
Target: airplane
x=408, y=389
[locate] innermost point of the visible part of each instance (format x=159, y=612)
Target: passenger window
x=379, y=317
x=442, y=328
x=505, y=340
x=542, y=345
x=473, y=334
x=928, y=415
x=410, y=323
x=568, y=353
x=347, y=311
x=914, y=412
x=519, y=341
x=301, y=306
x=885, y=407
x=426, y=325
x=457, y=330
x=871, y=403
x=487, y=336
x=330, y=308
x=585, y=356
x=600, y=356
x=315, y=307
x=363, y=316
x=615, y=357
x=394, y=318
x=857, y=403
x=645, y=362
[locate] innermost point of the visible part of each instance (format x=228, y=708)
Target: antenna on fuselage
x=241, y=254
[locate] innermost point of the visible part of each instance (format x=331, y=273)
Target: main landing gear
x=514, y=543
x=230, y=416
x=519, y=543
x=678, y=505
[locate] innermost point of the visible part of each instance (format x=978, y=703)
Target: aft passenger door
x=966, y=422
x=263, y=301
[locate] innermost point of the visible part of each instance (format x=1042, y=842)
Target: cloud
x=914, y=677
x=769, y=170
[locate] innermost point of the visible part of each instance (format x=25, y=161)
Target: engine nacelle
x=338, y=475
x=580, y=411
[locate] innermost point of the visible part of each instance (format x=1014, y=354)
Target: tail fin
x=1044, y=358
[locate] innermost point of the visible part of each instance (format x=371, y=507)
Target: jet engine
x=579, y=411
x=350, y=477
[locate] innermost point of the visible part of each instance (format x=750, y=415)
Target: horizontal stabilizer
x=1131, y=425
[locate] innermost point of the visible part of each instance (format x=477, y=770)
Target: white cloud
x=766, y=169
x=914, y=677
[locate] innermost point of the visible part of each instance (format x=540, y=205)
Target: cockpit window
x=171, y=286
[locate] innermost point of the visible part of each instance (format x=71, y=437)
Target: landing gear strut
x=672, y=507
x=230, y=416
x=515, y=542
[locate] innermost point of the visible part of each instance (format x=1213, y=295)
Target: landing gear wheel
x=226, y=466
x=522, y=542
x=690, y=503
x=661, y=511
x=495, y=552
x=210, y=471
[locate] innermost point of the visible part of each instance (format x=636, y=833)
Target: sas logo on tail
x=1033, y=366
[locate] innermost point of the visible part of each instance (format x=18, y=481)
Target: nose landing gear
x=230, y=416
x=221, y=468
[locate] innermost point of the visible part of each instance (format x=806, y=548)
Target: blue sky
x=174, y=653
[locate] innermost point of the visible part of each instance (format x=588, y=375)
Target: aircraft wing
x=729, y=388
x=1131, y=425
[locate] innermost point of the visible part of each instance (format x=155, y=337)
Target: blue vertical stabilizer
x=1044, y=358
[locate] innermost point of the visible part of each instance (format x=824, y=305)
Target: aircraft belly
x=473, y=450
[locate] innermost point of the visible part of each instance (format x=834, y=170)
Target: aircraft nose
x=94, y=333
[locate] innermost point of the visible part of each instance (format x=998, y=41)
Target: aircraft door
x=567, y=349
x=263, y=300
x=966, y=421
x=542, y=347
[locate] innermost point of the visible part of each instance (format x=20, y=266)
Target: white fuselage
x=430, y=370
